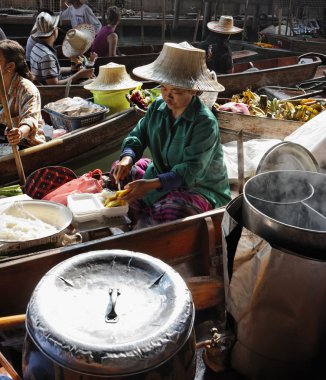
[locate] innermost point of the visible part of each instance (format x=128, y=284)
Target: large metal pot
x=288, y=208
x=112, y=313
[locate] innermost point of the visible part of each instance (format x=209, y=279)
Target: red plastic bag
x=84, y=184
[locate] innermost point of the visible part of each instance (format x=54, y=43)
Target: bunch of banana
x=115, y=199
x=273, y=105
x=303, y=110
x=256, y=111
x=250, y=97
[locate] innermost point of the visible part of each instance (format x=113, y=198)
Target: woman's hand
x=84, y=73
x=122, y=169
x=137, y=189
x=14, y=136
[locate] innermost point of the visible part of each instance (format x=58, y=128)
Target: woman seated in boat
x=217, y=47
x=23, y=98
x=187, y=174
x=43, y=60
x=106, y=40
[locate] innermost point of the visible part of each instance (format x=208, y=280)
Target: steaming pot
x=109, y=314
x=288, y=209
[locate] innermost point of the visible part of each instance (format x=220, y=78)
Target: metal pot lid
x=110, y=312
x=287, y=156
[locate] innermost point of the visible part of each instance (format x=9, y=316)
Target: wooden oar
x=11, y=322
x=6, y=111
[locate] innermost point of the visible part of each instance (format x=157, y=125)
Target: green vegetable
x=10, y=191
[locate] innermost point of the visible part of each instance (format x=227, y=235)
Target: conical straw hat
x=78, y=40
x=180, y=65
x=112, y=77
x=224, y=26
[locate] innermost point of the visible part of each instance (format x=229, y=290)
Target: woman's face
x=176, y=98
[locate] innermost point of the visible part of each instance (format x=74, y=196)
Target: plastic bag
x=84, y=184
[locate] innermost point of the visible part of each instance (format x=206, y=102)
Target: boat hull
x=282, y=71
x=74, y=147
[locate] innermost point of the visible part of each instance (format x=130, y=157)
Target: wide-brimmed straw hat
x=78, y=40
x=224, y=26
x=45, y=25
x=180, y=65
x=112, y=77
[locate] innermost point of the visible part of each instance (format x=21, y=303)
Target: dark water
x=102, y=162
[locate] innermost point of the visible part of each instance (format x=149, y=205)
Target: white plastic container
x=89, y=207
x=85, y=207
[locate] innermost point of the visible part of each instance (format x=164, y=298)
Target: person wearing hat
x=43, y=60
x=78, y=41
x=216, y=45
x=2, y=35
x=79, y=13
x=23, y=98
x=106, y=41
x=187, y=174
x=31, y=41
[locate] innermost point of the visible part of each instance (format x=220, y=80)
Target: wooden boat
x=289, y=93
x=253, y=127
x=192, y=246
x=297, y=43
x=73, y=147
x=261, y=52
x=139, y=56
x=282, y=71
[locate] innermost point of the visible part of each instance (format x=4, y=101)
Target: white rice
x=21, y=229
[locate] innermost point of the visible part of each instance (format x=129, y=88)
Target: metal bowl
x=55, y=214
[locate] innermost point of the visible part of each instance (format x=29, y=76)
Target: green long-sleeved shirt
x=190, y=147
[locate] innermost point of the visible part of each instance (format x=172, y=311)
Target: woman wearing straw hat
x=23, y=98
x=43, y=60
x=187, y=174
x=216, y=45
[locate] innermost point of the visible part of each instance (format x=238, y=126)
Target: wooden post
x=288, y=18
x=244, y=32
x=142, y=22
x=280, y=21
x=196, y=27
x=206, y=19
x=6, y=112
x=241, y=174
x=163, y=21
x=176, y=14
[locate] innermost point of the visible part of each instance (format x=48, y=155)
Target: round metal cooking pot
x=52, y=213
x=113, y=313
x=288, y=208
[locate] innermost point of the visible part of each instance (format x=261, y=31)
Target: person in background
x=106, y=40
x=23, y=98
x=217, y=47
x=43, y=60
x=2, y=35
x=31, y=41
x=79, y=13
x=187, y=174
